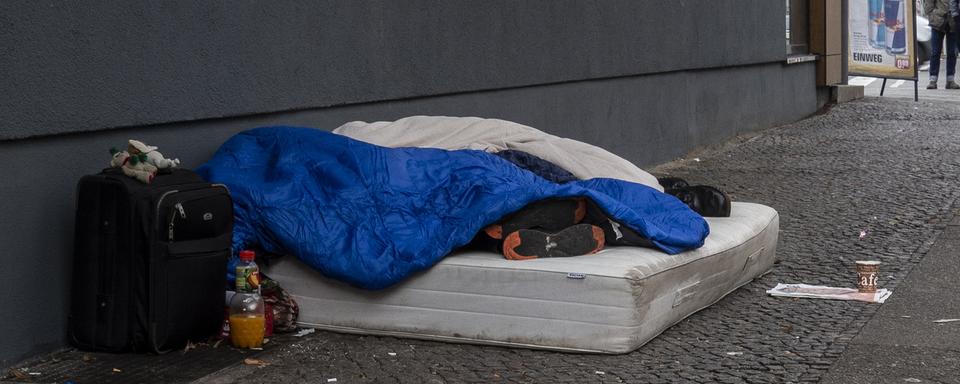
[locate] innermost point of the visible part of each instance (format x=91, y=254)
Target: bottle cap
x=246, y=255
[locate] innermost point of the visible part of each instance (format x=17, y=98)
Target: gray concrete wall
x=84, y=66
x=644, y=80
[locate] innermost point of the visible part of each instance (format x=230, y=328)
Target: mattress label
x=573, y=275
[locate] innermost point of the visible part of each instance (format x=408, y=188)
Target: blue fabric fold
x=372, y=216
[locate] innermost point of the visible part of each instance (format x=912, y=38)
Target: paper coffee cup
x=867, y=274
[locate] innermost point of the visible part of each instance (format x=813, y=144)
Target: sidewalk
x=886, y=167
x=903, y=343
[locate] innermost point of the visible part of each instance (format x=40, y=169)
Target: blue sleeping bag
x=372, y=215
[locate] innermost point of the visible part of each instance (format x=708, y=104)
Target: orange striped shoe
x=580, y=239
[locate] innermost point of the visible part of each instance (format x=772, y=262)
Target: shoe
x=526, y=244
x=672, y=182
x=952, y=85
x=932, y=85
x=703, y=199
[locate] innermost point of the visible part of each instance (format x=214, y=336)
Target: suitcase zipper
x=172, y=217
x=178, y=207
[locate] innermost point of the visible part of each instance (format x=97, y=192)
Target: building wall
x=645, y=80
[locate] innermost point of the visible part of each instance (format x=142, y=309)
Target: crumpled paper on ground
x=830, y=293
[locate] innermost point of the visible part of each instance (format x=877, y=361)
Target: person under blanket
x=373, y=216
x=577, y=226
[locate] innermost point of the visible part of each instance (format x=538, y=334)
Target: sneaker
x=952, y=85
x=703, y=199
x=932, y=85
x=526, y=244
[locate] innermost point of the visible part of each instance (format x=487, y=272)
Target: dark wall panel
x=83, y=66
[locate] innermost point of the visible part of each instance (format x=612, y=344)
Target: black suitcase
x=149, y=261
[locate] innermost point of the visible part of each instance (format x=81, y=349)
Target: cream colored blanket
x=583, y=160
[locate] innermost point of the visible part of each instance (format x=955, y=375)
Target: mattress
x=610, y=302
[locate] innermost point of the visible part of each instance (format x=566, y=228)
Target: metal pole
x=882, y=86
x=916, y=65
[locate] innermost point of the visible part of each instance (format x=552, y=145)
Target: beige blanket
x=583, y=160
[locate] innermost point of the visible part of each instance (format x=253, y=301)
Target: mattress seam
x=485, y=313
x=519, y=298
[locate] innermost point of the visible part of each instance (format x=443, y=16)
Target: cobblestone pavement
x=887, y=167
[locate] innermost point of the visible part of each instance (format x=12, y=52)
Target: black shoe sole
x=580, y=239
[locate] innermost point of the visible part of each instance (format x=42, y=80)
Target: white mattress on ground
x=610, y=302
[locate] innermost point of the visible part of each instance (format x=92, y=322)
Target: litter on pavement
x=830, y=293
x=257, y=362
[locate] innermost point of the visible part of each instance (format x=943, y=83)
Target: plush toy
x=134, y=166
x=152, y=156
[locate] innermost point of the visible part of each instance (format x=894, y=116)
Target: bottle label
x=248, y=279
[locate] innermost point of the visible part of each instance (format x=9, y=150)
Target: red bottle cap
x=246, y=255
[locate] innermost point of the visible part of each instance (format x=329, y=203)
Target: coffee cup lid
x=868, y=262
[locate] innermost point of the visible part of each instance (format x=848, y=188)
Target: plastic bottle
x=247, y=321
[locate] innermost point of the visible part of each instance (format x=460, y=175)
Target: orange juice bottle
x=247, y=319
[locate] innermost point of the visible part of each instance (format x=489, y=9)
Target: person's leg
x=936, y=46
x=951, y=39
x=956, y=33
x=615, y=233
x=550, y=215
